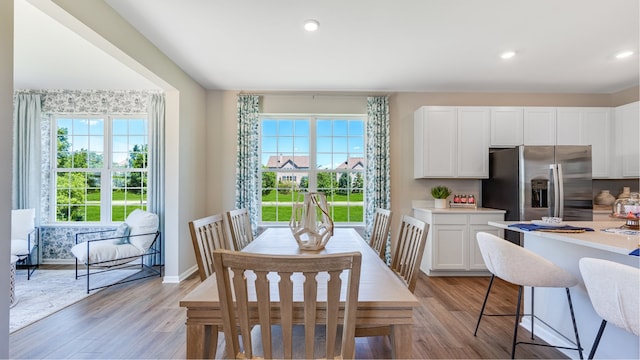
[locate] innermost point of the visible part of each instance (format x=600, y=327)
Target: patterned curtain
x=248, y=163
x=155, y=115
x=378, y=181
x=26, y=151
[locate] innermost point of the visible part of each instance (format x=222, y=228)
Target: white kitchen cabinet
x=451, y=142
x=451, y=248
x=626, y=149
x=507, y=125
x=539, y=126
x=587, y=126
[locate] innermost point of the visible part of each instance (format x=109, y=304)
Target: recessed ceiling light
x=508, y=54
x=624, y=54
x=311, y=25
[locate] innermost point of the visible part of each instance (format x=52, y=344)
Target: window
x=323, y=154
x=100, y=167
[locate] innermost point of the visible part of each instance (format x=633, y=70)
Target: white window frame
x=106, y=171
x=312, y=170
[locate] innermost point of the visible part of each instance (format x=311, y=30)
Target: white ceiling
x=563, y=46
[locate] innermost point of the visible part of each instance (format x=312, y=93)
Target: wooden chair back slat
x=207, y=234
x=409, y=249
x=240, y=228
x=380, y=231
x=314, y=280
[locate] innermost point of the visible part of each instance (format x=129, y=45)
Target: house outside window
x=99, y=167
x=312, y=154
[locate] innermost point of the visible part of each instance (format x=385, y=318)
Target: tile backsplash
x=615, y=186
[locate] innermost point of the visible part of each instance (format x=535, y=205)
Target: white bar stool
x=614, y=291
x=523, y=267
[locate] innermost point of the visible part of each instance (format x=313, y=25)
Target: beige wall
x=625, y=97
x=185, y=177
x=6, y=116
x=404, y=188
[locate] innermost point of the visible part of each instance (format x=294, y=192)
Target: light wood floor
x=142, y=320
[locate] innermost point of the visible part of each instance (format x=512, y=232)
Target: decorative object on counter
x=604, y=197
x=625, y=193
x=440, y=193
x=628, y=209
x=310, y=223
x=463, y=201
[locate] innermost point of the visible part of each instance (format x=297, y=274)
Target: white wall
x=6, y=116
x=185, y=117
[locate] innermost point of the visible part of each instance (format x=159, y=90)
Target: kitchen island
x=565, y=250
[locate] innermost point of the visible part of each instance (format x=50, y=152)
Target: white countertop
x=598, y=239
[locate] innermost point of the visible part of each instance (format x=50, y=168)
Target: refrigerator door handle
x=560, y=198
x=555, y=179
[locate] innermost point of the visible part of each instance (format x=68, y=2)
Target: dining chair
x=409, y=248
x=208, y=234
x=240, y=228
x=313, y=280
x=523, y=267
x=405, y=262
x=614, y=291
x=380, y=232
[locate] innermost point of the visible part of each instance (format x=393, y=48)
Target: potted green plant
x=440, y=193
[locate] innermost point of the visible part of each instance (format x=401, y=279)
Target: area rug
x=49, y=291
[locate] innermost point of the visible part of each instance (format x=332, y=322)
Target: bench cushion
x=100, y=251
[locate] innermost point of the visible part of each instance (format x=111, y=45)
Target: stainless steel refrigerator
x=530, y=182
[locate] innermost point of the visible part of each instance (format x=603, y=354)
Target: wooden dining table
x=383, y=297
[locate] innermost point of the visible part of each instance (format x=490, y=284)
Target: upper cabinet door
x=473, y=142
x=539, y=126
x=435, y=142
x=506, y=126
x=588, y=126
x=627, y=124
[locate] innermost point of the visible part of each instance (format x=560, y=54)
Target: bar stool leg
x=515, y=329
x=532, y=313
x=603, y=324
x=575, y=327
x=484, y=303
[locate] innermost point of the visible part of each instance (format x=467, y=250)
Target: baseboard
x=181, y=277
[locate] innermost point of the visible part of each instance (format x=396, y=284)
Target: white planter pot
x=440, y=203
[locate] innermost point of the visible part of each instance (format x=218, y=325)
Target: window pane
x=339, y=128
x=301, y=128
x=285, y=144
x=356, y=127
x=269, y=144
x=138, y=127
x=323, y=128
x=356, y=144
x=285, y=128
x=75, y=192
x=286, y=157
x=340, y=144
x=81, y=145
x=119, y=127
x=128, y=192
